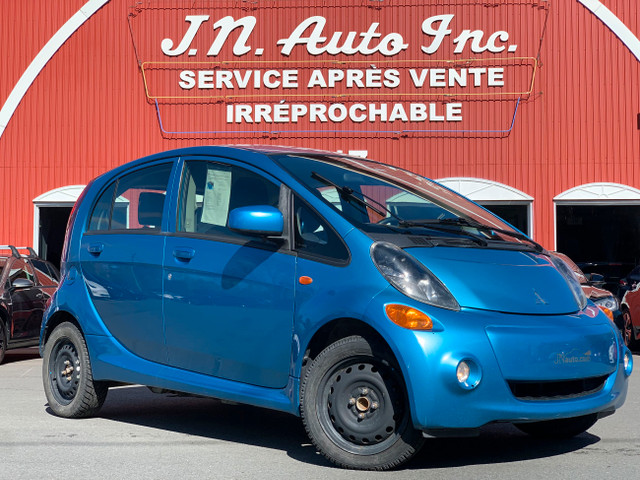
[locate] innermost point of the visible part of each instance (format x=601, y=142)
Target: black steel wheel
x=354, y=407
x=559, y=429
x=3, y=340
x=628, y=333
x=67, y=377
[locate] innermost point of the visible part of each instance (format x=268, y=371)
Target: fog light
x=628, y=363
x=463, y=371
x=468, y=374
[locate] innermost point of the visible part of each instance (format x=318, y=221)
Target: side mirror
x=596, y=279
x=22, y=283
x=258, y=220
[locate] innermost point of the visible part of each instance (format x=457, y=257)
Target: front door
x=228, y=298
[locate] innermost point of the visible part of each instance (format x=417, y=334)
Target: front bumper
x=522, y=367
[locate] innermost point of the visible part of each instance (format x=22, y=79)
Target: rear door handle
x=184, y=253
x=96, y=248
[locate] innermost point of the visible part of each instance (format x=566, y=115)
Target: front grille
x=557, y=390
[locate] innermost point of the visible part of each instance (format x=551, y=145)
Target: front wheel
x=559, y=429
x=67, y=377
x=354, y=407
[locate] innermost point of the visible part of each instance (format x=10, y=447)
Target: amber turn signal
x=607, y=312
x=408, y=317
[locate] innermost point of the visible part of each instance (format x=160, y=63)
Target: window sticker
x=217, y=194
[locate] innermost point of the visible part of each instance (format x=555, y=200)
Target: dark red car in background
x=26, y=283
x=591, y=284
x=629, y=291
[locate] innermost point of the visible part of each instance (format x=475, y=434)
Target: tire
x=559, y=429
x=67, y=377
x=354, y=407
x=628, y=332
x=3, y=340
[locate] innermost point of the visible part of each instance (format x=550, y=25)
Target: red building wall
x=87, y=110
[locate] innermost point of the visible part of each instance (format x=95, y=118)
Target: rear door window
x=133, y=202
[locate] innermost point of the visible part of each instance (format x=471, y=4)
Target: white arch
x=607, y=17
x=58, y=196
x=482, y=190
x=43, y=57
x=600, y=192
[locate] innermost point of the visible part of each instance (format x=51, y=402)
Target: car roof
x=259, y=149
x=255, y=154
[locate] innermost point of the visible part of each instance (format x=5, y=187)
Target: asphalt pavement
x=142, y=435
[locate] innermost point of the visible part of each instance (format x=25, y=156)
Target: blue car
x=379, y=306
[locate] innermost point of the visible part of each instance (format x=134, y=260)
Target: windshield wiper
x=351, y=193
x=444, y=225
x=463, y=222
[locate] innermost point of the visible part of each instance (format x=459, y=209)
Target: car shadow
x=20, y=354
x=214, y=419
x=499, y=443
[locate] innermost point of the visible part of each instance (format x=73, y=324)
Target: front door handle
x=184, y=253
x=96, y=248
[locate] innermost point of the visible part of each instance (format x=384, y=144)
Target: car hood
x=500, y=280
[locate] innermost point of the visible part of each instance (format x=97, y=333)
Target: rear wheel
x=354, y=407
x=628, y=333
x=559, y=429
x=67, y=377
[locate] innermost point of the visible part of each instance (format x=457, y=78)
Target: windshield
x=381, y=198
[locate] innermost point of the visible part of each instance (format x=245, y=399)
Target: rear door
x=121, y=258
x=228, y=299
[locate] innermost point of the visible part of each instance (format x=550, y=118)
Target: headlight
x=571, y=280
x=411, y=277
x=608, y=302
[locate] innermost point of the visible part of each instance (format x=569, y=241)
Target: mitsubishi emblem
x=539, y=299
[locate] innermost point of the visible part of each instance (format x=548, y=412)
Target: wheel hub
x=363, y=405
x=68, y=370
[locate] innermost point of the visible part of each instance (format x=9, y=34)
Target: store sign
x=397, y=69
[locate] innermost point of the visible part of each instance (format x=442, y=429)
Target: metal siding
x=87, y=111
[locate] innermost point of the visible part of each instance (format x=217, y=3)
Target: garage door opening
x=516, y=214
x=598, y=227
x=51, y=214
x=53, y=223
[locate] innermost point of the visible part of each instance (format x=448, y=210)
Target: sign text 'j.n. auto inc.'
x=318, y=70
